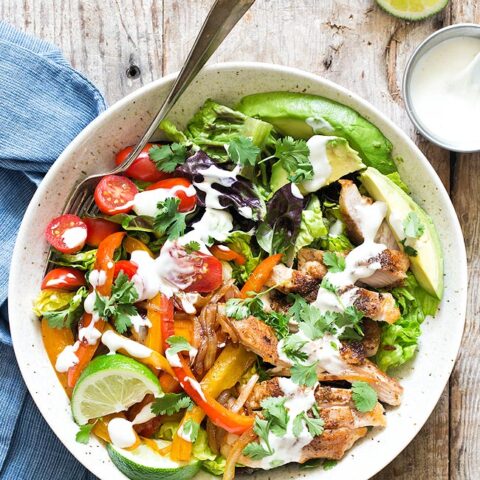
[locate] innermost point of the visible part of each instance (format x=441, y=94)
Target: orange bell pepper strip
x=55, y=340
x=104, y=261
x=168, y=383
x=218, y=414
x=131, y=244
x=259, y=276
x=228, y=368
x=184, y=328
x=224, y=253
x=157, y=308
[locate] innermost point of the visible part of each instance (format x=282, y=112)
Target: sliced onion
x=245, y=393
x=235, y=452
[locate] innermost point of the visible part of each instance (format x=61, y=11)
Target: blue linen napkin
x=44, y=104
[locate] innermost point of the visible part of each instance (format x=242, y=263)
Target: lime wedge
x=110, y=384
x=144, y=463
x=412, y=9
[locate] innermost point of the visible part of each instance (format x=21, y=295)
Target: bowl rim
x=434, y=39
x=263, y=68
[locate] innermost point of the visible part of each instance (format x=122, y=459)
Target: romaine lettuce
x=312, y=226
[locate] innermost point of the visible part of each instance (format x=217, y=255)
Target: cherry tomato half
x=66, y=233
x=142, y=168
x=114, y=194
x=99, y=229
x=178, y=186
x=64, y=278
x=208, y=275
x=127, y=267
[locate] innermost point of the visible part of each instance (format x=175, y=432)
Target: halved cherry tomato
x=224, y=253
x=98, y=229
x=64, y=278
x=127, y=267
x=177, y=187
x=208, y=276
x=66, y=233
x=142, y=168
x=114, y=194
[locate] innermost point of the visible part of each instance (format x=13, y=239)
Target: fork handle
x=223, y=16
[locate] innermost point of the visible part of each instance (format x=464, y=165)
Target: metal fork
x=223, y=16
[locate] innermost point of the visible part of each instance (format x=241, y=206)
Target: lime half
x=110, y=384
x=144, y=463
x=412, y=9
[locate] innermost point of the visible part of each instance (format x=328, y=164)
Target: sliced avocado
x=342, y=159
x=302, y=115
x=427, y=265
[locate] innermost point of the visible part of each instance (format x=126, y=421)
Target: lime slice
x=144, y=463
x=110, y=384
x=412, y=9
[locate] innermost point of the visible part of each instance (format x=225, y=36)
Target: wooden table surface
x=123, y=44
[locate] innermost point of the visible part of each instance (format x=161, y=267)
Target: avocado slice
x=301, y=115
x=341, y=157
x=427, y=265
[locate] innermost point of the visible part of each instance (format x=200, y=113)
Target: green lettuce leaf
x=81, y=260
x=312, y=226
x=241, y=243
x=51, y=300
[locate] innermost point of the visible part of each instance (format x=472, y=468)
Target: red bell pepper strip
x=104, y=261
x=224, y=253
x=218, y=414
x=259, y=276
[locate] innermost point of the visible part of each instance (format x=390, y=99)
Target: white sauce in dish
x=116, y=342
x=90, y=334
x=319, y=159
x=97, y=278
x=173, y=359
x=144, y=415
x=67, y=358
x=139, y=322
x=445, y=92
x=75, y=236
x=145, y=203
x=53, y=282
x=121, y=432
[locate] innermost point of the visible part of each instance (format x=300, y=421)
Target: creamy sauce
x=336, y=229
x=53, y=282
x=196, y=386
x=121, y=432
x=445, y=92
x=97, y=278
x=116, y=342
x=145, y=203
x=67, y=358
x=321, y=165
x=144, y=415
x=72, y=237
x=138, y=322
x=188, y=301
x=173, y=359
x=90, y=334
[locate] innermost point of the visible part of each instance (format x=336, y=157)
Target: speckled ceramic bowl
x=93, y=151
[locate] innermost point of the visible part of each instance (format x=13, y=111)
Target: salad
x=243, y=292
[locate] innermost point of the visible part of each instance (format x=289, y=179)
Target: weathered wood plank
x=465, y=381
x=101, y=38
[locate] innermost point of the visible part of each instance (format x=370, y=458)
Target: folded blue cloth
x=44, y=104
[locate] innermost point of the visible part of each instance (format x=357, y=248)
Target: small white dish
x=93, y=151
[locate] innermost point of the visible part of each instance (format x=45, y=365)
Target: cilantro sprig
x=68, y=316
x=119, y=305
x=84, y=432
x=242, y=151
x=191, y=247
x=169, y=220
x=293, y=155
x=171, y=403
x=364, y=396
x=412, y=226
x=178, y=344
x=334, y=262
x=313, y=423
x=168, y=157
x=304, y=374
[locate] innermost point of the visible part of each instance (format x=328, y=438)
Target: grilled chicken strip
x=259, y=338
x=288, y=280
x=310, y=262
x=377, y=306
x=371, y=338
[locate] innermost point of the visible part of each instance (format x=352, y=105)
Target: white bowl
x=122, y=124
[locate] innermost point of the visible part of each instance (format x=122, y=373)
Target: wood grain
x=353, y=43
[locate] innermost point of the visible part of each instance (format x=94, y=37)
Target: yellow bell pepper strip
x=131, y=244
x=227, y=370
x=218, y=414
x=157, y=308
x=184, y=328
x=224, y=253
x=104, y=261
x=100, y=429
x=259, y=276
x=55, y=340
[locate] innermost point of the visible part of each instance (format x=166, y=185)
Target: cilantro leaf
x=237, y=308
x=304, y=374
x=122, y=317
x=292, y=348
x=334, y=262
x=68, y=316
x=299, y=304
x=167, y=157
x=191, y=247
x=314, y=425
x=169, y=220
x=242, y=151
x=328, y=285
x=275, y=412
x=171, y=403
x=297, y=425
x=364, y=396
x=294, y=158
x=178, y=344
x=83, y=434
x=412, y=226
x=261, y=428
x=190, y=429
x=256, y=451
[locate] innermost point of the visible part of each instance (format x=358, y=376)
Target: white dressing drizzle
x=67, y=358
x=121, y=432
x=319, y=159
x=116, y=342
x=145, y=203
x=144, y=415
x=72, y=237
